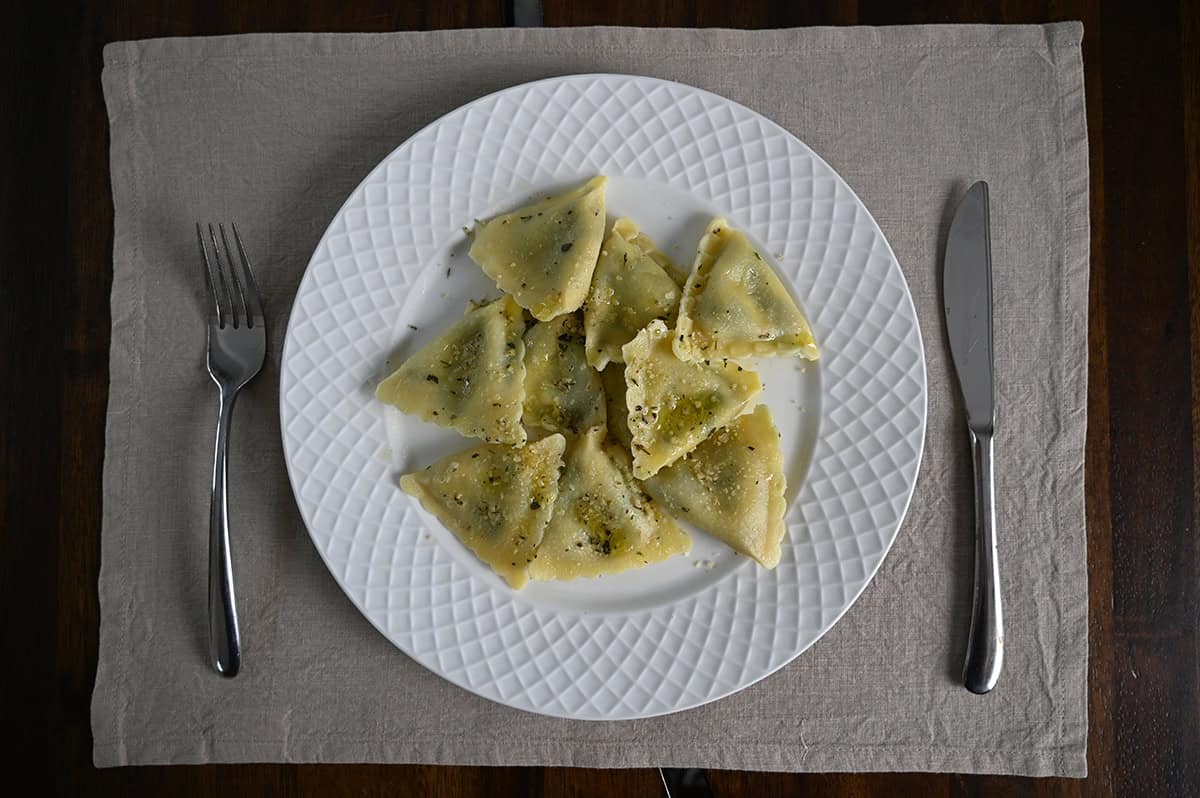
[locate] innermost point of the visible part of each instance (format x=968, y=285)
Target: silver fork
x=237, y=345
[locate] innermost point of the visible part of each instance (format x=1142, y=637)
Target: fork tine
x=237, y=278
x=224, y=279
x=252, y=296
x=209, y=279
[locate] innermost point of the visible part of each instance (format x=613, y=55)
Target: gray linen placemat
x=274, y=132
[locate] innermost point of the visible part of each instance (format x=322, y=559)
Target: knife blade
x=967, y=300
x=967, y=295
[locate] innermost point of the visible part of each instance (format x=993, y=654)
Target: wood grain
x=1143, y=446
x=1151, y=478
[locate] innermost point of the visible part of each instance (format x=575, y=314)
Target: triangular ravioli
x=735, y=305
x=544, y=254
x=471, y=378
x=732, y=486
x=603, y=521
x=675, y=404
x=562, y=393
x=613, y=379
x=631, y=287
x=496, y=499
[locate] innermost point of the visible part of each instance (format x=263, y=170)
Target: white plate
x=676, y=634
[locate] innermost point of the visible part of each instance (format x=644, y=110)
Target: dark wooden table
x=1143, y=100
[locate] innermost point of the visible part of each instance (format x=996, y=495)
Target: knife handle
x=985, y=646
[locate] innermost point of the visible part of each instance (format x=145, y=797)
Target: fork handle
x=224, y=641
x=985, y=646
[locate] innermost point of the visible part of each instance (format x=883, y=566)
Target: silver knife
x=967, y=296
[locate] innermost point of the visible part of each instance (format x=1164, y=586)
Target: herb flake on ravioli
x=471, y=378
x=603, y=521
x=675, y=404
x=496, y=499
x=543, y=254
x=735, y=305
